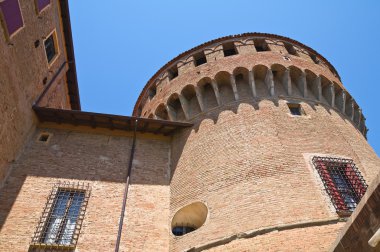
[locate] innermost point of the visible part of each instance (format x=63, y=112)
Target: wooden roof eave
x=112, y=122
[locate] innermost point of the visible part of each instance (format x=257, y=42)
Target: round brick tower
x=243, y=177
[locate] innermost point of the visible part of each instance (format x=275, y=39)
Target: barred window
x=60, y=223
x=342, y=180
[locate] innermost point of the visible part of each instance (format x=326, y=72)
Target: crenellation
x=215, y=53
x=304, y=54
x=246, y=47
x=185, y=65
x=261, y=82
x=276, y=46
x=254, y=132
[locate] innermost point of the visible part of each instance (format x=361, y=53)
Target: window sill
x=344, y=213
x=52, y=246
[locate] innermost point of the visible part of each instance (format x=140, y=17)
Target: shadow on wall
x=64, y=155
x=214, y=113
x=181, y=138
x=256, y=84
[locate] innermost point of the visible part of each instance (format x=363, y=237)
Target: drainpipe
x=47, y=87
x=126, y=188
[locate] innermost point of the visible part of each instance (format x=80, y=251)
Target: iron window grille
x=62, y=217
x=342, y=180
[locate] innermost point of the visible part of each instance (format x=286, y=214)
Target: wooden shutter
x=11, y=14
x=41, y=4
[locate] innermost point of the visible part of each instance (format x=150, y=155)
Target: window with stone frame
x=295, y=109
x=342, y=180
x=11, y=17
x=41, y=5
x=51, y=47
x=62, y=217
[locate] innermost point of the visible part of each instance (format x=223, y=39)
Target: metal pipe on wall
x=126, y=188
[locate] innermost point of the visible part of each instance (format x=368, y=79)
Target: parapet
x=250, y=66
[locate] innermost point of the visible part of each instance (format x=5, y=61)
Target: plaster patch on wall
x=55, y=147
x=136, y=164
x=56, y=150
x=105, y=160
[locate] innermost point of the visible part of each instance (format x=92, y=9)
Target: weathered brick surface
x=229, y=64
x=246, y=158
x=247, y=162
x=101, y=160
x=23, y=68
x=55, y=96
x=288, y=240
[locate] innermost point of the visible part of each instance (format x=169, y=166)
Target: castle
x=244, y=143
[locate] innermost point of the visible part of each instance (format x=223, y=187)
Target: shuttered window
x=41, y=4
x=11, y=16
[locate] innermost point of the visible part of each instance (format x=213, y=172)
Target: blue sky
x=120, y=44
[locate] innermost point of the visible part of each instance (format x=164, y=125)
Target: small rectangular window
x=290, y=48
x=62, y=217
x=41, y=4
x=173, y=72
x=342, y=180
x=152, y=92
x=200, y=59
x=261, y=45
x=44, y=137
x=296, y=109
x=51, y=48
x=314, y=58
x=229, y=49
x=11, y=15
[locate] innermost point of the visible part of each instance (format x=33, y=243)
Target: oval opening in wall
x=189, y=218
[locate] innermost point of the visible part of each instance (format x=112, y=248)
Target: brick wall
x=100, y=159
x=250, y=164
x=288, y=240
x=23, y=69
x=229, y=64
x=247, y=158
